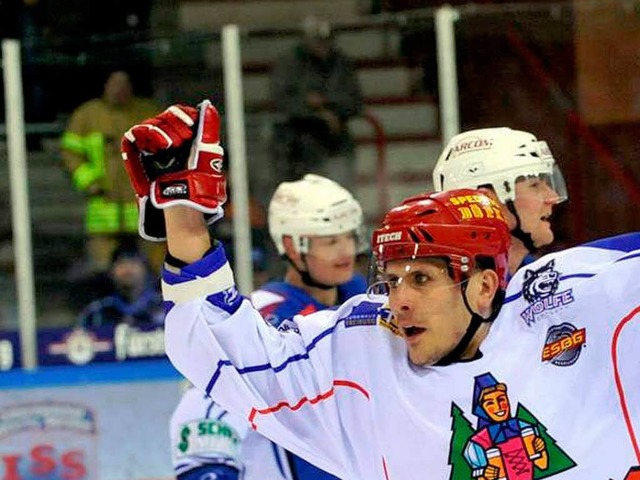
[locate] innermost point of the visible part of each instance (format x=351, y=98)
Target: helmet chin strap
x=520, y=234
x=306, y=277
x=456, y=353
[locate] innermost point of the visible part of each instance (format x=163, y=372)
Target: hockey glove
x=173, y=159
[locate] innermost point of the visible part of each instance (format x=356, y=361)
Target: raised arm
x=187, y=234
x=213, y=335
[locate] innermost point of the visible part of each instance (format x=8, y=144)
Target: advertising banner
x=105, y=421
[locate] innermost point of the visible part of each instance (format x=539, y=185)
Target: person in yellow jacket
x=91, y=152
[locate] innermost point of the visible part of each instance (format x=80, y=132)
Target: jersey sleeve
x=205, y=436
x=280, y=381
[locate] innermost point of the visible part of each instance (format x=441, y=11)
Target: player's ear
x=291, y=252
x=487, y=284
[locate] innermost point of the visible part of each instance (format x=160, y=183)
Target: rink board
x=106, y=421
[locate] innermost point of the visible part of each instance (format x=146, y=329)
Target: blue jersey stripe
x=267, y=366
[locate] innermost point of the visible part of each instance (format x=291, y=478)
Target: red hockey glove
x=170, y=163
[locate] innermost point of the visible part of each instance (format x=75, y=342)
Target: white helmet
x=496, y=157
x=312, y=206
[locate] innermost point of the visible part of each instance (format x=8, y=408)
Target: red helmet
x=460, y=225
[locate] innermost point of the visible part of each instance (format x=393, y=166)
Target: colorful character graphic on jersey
x=502, y=447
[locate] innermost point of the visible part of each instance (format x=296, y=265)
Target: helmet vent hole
x=414, y=236
x=474, y=235
x=426, y=212
x=426, y=235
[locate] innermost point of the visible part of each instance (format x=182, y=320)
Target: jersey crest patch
x=540, y=290
x=563, y=344
x=502, y=445
x=363, y=314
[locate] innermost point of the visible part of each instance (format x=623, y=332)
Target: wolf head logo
x=540, y=283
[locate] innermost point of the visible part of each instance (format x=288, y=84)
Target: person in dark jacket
x=315, y=91
x=135, y=298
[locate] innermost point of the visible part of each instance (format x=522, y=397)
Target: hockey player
x=387, y=386
x=315, y=225
x=515, y=168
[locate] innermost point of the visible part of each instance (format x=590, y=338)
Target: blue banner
x=86, y=346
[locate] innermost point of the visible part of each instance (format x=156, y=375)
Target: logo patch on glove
x=216, y=165
x=175, y=190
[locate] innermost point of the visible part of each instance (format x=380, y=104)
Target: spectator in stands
x=135, y=298
x=91, y=152
x=315, y=92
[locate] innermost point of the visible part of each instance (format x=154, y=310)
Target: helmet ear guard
x=459, y=225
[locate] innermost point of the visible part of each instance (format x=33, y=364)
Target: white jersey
x=202, y=433
x=338, y=389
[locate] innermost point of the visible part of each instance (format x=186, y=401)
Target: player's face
x=496, y=405
x=534, y=203
x=427, y=306
x=331, y=258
